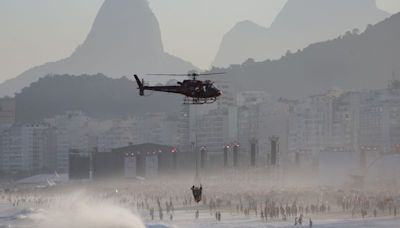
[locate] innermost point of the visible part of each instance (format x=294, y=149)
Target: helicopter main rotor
x=192, y=75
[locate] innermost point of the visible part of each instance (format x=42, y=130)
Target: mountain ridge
x=350, y=61
x=125, y=38
x=97, y=96
x=300, y=23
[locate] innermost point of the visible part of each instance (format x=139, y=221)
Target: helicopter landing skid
x=198, y=101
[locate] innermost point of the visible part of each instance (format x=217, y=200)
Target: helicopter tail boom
x=140, y=84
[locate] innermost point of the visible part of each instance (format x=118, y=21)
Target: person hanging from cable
x=197, y=193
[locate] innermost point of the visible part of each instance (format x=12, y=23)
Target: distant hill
x=96, y=95
x=125, y=38
x=300, y=23
x=351, y=61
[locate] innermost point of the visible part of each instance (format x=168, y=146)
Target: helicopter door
x=205, y=90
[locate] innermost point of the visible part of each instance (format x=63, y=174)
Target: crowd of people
x=160, y=200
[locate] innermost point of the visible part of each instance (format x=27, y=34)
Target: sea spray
x=83, y=211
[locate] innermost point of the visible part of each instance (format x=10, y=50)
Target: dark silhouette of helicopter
x=195, y=91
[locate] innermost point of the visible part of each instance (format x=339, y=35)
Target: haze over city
x=184, y=113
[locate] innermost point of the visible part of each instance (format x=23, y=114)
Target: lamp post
x=226, y=148
x=253, y=143
x=274, y=149
x=174, y=159
x=235, y=154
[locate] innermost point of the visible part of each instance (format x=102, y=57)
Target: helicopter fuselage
x=189, y=88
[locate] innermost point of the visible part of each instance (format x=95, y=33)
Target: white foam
x=80, y=211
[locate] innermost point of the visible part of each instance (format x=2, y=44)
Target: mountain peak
x=247, y=25
x=300, y=23
x=325, y=13
x=128, y=23
x=125, y=38
x=352, y=61
x=240, y=33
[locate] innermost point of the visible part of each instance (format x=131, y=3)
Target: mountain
x=97, y=96
x=352, y=61
x=242, y=42
x=125, y=38
x=300, y=23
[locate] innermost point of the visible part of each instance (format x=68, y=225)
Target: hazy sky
x=33, y=32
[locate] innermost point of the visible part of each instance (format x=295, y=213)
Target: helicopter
x=195, y=91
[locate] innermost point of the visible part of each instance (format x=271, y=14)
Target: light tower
x=274, y=150
x=226, y=148
x=253, y=148
x=174, y=159
x=235, y=154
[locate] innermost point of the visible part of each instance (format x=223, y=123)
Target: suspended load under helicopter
x=197, y=193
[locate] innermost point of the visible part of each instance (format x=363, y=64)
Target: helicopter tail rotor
x=140, y=84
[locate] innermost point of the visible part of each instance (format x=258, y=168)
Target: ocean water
x=105, y=215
